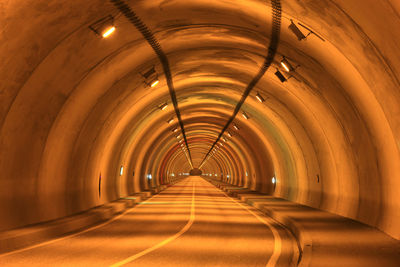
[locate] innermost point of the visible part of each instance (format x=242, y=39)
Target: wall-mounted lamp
x=245, y=115
x=280, y=76
x=236, y=127
x=286, y=65
x=260, y=98
x=151, y=77
x=175, y=129
x=163, y=106
x=103, y=27
x=178, y=136
x=296, y=31
x=229, y=134
x=299, y=34
x=170, y=121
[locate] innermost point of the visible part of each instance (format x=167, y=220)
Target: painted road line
x=75, y=234
x=277, y=238
x=166, y=241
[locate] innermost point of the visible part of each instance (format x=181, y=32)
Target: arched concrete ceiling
x=74, y=106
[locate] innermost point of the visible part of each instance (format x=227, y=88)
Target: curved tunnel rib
x=82, y=139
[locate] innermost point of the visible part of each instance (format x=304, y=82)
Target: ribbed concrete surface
x=189, y=224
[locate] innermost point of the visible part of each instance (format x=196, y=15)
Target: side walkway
x=324, y=239
x=31, y=235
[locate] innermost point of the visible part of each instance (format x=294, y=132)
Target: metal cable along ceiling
x=273, y=46
x=150, y=38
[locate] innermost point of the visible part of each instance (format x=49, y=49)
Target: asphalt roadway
x=192, y=223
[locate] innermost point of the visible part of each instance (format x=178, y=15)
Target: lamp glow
x=260, y=98
x=164, y=106
x=285, y=66
x=154, y=83
x=108, y=31
x=121, y=171
x=170, y=121
x=245, y=116
x=236, y=128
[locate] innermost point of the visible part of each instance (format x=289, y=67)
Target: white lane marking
x=277, y=238
x=76, y=234
x=166, y=241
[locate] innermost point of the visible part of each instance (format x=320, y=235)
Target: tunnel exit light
x=121, y=171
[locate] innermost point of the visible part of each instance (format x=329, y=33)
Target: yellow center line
x=277, y=238
x=166, y=241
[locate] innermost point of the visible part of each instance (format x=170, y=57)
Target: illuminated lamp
x=103, y=27
x=170, y=121
x=175, y=129
x=286, y=65
x=163, y=106
x=259, y=97
x=236, y=127
x=229, y=134
x=151, y=77
x=245, y=116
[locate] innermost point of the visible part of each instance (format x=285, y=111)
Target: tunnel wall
x=74, y=106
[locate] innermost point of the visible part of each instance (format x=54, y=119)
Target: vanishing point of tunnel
x=200, y=133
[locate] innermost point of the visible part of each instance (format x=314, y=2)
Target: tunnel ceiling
x=76, y=107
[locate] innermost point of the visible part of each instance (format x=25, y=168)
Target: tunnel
x=200, y=133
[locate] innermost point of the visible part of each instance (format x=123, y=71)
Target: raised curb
x=34, y=234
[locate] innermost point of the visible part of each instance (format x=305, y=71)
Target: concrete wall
x=73, y=106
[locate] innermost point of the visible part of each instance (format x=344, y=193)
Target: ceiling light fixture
x=259, y=97
x=151, y=77
x=280, y=76
x=104, y=27
x=286, y=65
x=154, y=83
x=296, y=31
x=163, y=106
x=299, y=34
